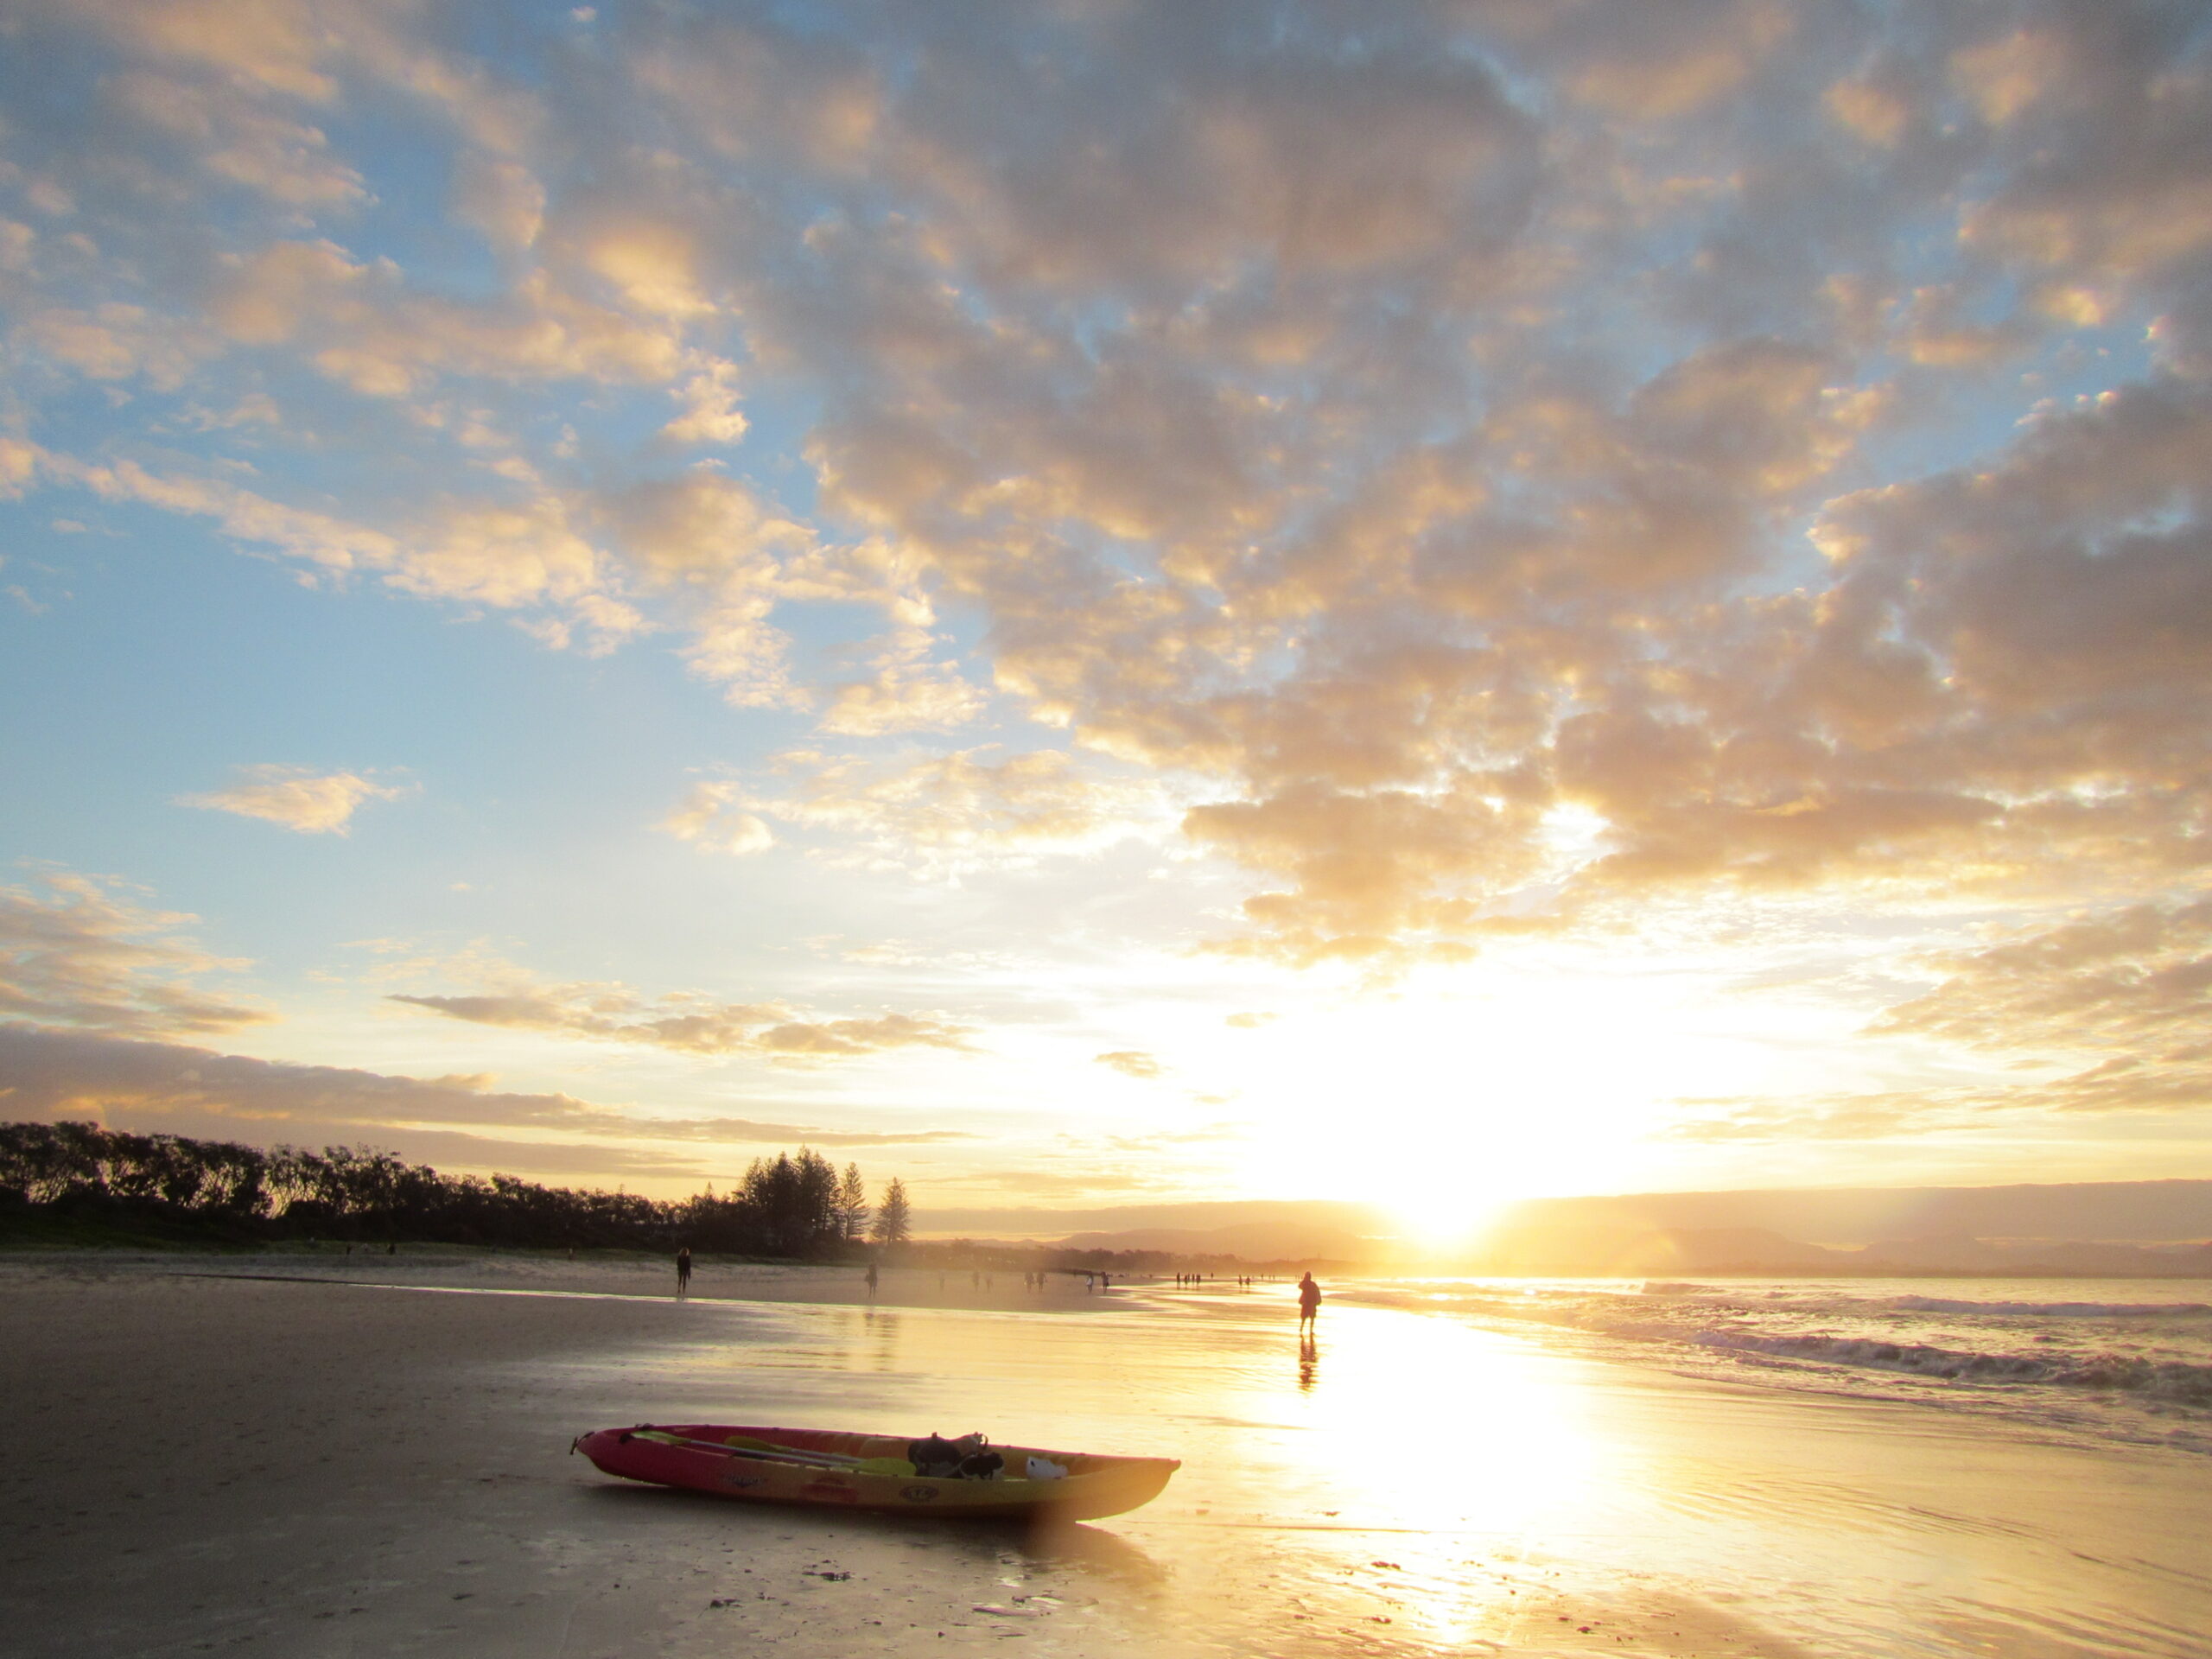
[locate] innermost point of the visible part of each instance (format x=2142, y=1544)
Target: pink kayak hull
x=1093, y=1486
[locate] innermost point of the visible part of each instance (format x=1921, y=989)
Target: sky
x=1108, y=602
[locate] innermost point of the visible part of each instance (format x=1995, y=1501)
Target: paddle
x=827, y=1459
x=740, y=1446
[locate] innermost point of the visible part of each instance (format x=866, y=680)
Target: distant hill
x=2097, y=1227
x=1328, y=1215
x=2133, y=1213
x=1251, y=1241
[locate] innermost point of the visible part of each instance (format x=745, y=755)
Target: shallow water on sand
x=1408, y=1484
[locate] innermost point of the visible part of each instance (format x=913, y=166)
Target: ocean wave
x=2055, y=1310
x=2176, y=1382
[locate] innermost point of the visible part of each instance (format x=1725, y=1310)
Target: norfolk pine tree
x=852, y=1204
x=893, y=1220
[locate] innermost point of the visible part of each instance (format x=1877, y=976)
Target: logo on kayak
x=741, y=1481
x=919, y=1494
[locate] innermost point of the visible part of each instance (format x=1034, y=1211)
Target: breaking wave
x=2176, y=1380
x=2109, y=1359
x=2060, y=1310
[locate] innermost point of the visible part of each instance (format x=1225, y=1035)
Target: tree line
x=792, y=1205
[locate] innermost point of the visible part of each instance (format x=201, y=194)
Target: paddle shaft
x=776, y=1454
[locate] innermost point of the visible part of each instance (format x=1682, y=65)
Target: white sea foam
x=2173, y=1380
x=2061, y=1310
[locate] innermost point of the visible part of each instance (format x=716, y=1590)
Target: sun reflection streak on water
x=1411, y=1484
x=1424, y=1444
x=1446, y=1436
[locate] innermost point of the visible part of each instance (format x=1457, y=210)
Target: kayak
x=869, y=1471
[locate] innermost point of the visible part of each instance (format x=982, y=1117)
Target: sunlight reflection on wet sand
x=1412, y=1484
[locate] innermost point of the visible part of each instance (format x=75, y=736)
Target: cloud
x=500, y=555
x=113, y=341
x=2101, y=1014
x=706, y=820
x=54, y=1074
x=285, y=159
x=904, y=696
x=942, y=814
x=2129, y=990
x=299, y=799
x=1165, y=1140
x=75, y=953
x=1141, y=1177
x=2135, y=977
x=693, y=1024
x=362, y=325
x=1394, y=440
x=1132, y=1063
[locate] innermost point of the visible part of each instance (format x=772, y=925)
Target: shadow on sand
x=1039, y=1540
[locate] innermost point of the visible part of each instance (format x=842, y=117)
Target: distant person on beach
x=871, y=1281
x=683, y=1271
x=1309, y=1300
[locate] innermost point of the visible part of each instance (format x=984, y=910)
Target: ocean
x=2120, y=1360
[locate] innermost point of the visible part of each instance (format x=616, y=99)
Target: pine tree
x=893, y=1222
x=852, y=1204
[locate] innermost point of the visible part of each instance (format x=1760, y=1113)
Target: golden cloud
x=1132, y=1063
x=313, y=804
x=694, y=1024
x=1249, y=405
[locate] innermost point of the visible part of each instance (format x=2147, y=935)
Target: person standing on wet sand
x=683, y=1271
x=1309, y=1301
x=871, y=1281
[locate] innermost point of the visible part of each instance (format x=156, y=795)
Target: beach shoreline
x=322, y=1466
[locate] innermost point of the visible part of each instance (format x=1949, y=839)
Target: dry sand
x=338, y=1466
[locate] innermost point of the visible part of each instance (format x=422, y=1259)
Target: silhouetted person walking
x=1309, y=1301
x=871, y=1281
x=683, y=1271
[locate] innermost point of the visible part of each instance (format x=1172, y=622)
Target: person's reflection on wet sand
x=1309, y=1363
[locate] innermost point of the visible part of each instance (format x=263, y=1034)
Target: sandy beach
x=371, y=1458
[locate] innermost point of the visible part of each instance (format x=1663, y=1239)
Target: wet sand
x=225, y=1463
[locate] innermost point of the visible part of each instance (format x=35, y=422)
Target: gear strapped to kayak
x=969, y=1458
